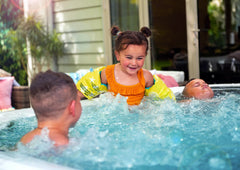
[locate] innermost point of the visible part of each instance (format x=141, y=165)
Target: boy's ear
x=72, y=107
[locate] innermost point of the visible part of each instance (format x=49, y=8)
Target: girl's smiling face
x=132, y=58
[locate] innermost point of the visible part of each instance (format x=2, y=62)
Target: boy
x=198, y=89
x=56, y=104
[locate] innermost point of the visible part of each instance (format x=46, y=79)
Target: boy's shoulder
x=29, y=136
x=58, y=138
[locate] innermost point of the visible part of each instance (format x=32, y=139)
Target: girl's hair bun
x=115, y=30
x=146, y=31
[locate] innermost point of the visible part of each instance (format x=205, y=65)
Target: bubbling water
x=157, y=134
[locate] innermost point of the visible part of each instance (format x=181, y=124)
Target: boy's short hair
x=50, y=94
x=189, y=81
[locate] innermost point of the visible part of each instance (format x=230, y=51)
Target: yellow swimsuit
x=134, y=93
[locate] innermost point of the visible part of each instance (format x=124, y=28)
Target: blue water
x=154, y=135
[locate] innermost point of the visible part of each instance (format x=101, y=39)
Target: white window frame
x=192, y=38
x=106, y=31
x=144, y=21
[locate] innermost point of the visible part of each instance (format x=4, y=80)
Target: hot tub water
x=153, y=135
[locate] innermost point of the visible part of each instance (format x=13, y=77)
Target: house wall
x=80, y=23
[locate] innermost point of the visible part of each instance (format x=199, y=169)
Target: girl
x=127, y=77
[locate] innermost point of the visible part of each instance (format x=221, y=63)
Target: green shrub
x=9, y=19
x=42, y=45
x=15, y=32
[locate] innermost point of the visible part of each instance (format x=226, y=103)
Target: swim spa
x=153, y=135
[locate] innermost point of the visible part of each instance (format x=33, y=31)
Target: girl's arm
x=148, y=78
x=103, y=77
x=91, y=85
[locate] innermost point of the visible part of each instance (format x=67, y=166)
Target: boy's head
x=51, y=93
x=126, y=38
x=198, y=89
